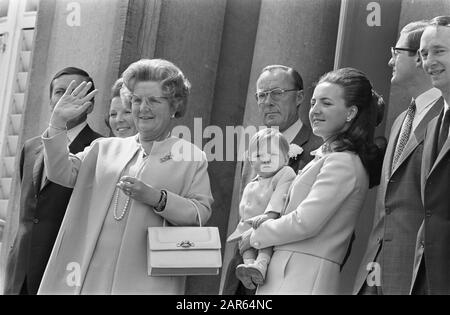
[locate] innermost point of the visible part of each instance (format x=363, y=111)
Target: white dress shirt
x=446, y=109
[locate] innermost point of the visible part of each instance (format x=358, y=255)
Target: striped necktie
x=404, y=133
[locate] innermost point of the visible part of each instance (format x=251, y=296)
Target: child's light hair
x=265, y=135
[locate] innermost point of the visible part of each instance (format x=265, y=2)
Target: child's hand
x=258, y=220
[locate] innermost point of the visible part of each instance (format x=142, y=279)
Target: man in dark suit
x=43, y=203
x=398, y=210
x=432, y=264
x=279, y=94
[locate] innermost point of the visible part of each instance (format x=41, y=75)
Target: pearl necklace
x=125, y=207
x=116, y=199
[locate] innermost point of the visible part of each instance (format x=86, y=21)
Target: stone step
x=5, y=185
x=18, y=100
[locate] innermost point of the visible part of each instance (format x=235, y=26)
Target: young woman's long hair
x=359, y=136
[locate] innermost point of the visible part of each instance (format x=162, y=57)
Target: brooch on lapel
x=166, y=157
x=294, y=151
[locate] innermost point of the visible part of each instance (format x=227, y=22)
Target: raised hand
x=72, y=104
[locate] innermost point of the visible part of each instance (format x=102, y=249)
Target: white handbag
x=184, y=250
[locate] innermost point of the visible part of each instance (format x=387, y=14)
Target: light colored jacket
x=322, y=209
x=94, y=174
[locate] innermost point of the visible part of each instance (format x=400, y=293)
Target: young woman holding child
x=312, y=235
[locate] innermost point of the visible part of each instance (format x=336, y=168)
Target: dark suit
x=398, y=211
x=309, y=142
x=435, y=184
x=41, y=212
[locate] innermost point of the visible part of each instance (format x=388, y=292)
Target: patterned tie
x=404, y=133
x=443, y=134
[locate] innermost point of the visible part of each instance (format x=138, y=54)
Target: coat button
x=36, y=220
x=422, y=244
x=388, y=211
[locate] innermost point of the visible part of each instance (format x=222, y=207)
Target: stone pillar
x=228, y=105
x=300, y=34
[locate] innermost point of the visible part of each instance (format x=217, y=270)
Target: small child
x=262, y=199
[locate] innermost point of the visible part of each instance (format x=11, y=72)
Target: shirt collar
x=292, y=131
x=75, y=131
x=446, y=106
x=426, y=99
x=319, y=152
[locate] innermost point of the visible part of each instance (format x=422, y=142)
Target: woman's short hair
x=173, y=82
x=265, y=136
x=115, y=89
x=358, y=91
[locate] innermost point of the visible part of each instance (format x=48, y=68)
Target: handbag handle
x=198, y=215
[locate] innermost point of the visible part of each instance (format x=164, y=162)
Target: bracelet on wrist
x=162, y=201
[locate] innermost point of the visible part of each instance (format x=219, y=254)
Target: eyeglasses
x=150, y=100
x=275, y=94
x=395, y=50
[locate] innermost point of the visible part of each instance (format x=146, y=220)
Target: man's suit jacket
x=398, y=211
x=41, y=212
x=308, y=142
x=435, y=190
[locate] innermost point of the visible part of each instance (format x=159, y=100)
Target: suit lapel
x=445, y=150
x=301, y=139
x=82, y=140
x=395, y=131
x=38, y=168
x=302, y=136
x=428, y=151
x=419, y=133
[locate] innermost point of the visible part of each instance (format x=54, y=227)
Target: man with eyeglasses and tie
x=399, y=210
x=432, y=264
x=279, y=94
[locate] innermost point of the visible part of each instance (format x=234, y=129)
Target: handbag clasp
x=185, y=244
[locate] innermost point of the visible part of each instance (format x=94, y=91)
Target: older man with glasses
x=279, y=95
x=399, y=210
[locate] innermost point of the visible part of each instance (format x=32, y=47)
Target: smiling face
x=151, y=111
x=329, y=114
x=267, y=158
x=403, y=65
x=120, y=119
x=281, y=113
x=435, y=52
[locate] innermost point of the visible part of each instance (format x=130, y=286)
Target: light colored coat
x=94, y=174
x=312, y=236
